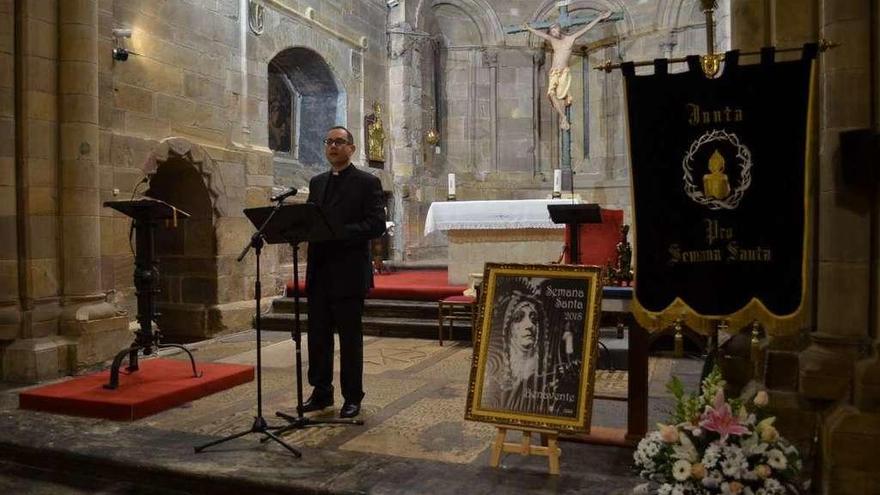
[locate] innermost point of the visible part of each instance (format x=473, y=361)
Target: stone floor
x=414, y=440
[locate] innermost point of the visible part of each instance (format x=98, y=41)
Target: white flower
x=681, y=470
x=664, y=490
x=686, y=450
x=710, y=457
x=773, y=487
x=730, y=468
x=776, y=459
x=643, y=489
x=678, y=490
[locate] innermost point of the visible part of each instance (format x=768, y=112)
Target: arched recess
x=305, y=98
x=457, y=82
x=181, y=174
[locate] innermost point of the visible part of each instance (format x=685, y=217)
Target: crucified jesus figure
x=560, y=78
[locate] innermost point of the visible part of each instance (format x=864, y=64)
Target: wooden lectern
x=573, y=215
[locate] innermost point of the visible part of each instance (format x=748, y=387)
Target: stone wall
x=499, y=134
x=192, y=96
x=825, y=382
x=201, y=75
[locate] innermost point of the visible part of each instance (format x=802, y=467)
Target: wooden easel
x=549, y=446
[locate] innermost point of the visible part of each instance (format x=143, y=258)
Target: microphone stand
x=260, y=425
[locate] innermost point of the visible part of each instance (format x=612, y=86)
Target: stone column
x=36, y=351
x=844, y=212
x=867, y=379
x=99, y=329
x=405, y=126
x=813, y=390
x=847, y=266
x=10, y=311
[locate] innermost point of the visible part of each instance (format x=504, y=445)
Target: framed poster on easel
x=535, y=351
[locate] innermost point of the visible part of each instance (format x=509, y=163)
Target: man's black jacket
x=342, y=268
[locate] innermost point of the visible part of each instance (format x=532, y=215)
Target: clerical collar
x=345, y=170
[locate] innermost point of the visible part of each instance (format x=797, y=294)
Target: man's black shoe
x=316, y=403
x=349, y=410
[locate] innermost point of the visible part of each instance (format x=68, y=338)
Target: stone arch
x=479, y=11
x=687, y=13
x=687, y=23
x=183, y=175
x=667, y=14
x=305, y=97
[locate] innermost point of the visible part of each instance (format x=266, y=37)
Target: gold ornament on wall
x=432, y=137
x=376, y=135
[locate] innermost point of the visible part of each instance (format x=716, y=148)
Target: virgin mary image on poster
x=534, y=350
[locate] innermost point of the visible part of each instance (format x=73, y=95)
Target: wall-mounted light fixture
x=120, y=53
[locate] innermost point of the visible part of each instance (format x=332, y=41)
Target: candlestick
x=557, y=183
x=451, y=185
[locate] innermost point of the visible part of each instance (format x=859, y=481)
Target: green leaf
x=675, y=387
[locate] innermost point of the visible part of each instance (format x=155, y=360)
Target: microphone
x=286, y=194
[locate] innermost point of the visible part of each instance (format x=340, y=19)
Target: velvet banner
x=721, y=177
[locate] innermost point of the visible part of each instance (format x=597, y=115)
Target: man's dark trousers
x=343, y=314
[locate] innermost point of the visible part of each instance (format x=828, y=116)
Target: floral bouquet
x=714, y=445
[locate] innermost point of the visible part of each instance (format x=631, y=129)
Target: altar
x=504, y=231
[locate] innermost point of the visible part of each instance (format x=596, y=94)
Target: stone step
x=418, y=319
x=400, y=266
x=377, y=326
x=391, y=308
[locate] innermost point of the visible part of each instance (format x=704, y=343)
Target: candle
x=451, y=192
x=557, y=181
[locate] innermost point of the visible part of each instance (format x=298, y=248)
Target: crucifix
x=560, y=77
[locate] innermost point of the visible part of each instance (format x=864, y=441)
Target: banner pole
x=709, y=9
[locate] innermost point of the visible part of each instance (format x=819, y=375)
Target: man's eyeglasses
x=336, y=142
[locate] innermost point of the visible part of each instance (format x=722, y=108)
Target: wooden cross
x=565, y=20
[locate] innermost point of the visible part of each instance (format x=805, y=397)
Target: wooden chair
x=454, y=308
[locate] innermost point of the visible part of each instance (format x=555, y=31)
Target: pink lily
x=720, y=419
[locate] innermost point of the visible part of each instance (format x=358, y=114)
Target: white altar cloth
x=491, y=215
x=505, y=231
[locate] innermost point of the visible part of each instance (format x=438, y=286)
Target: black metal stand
x=146, y=276
x=260, y=426
x=300, y=421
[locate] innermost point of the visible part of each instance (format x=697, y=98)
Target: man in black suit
x=340, y=274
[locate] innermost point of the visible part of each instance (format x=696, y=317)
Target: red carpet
x=416, y=285
x=158, y=385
